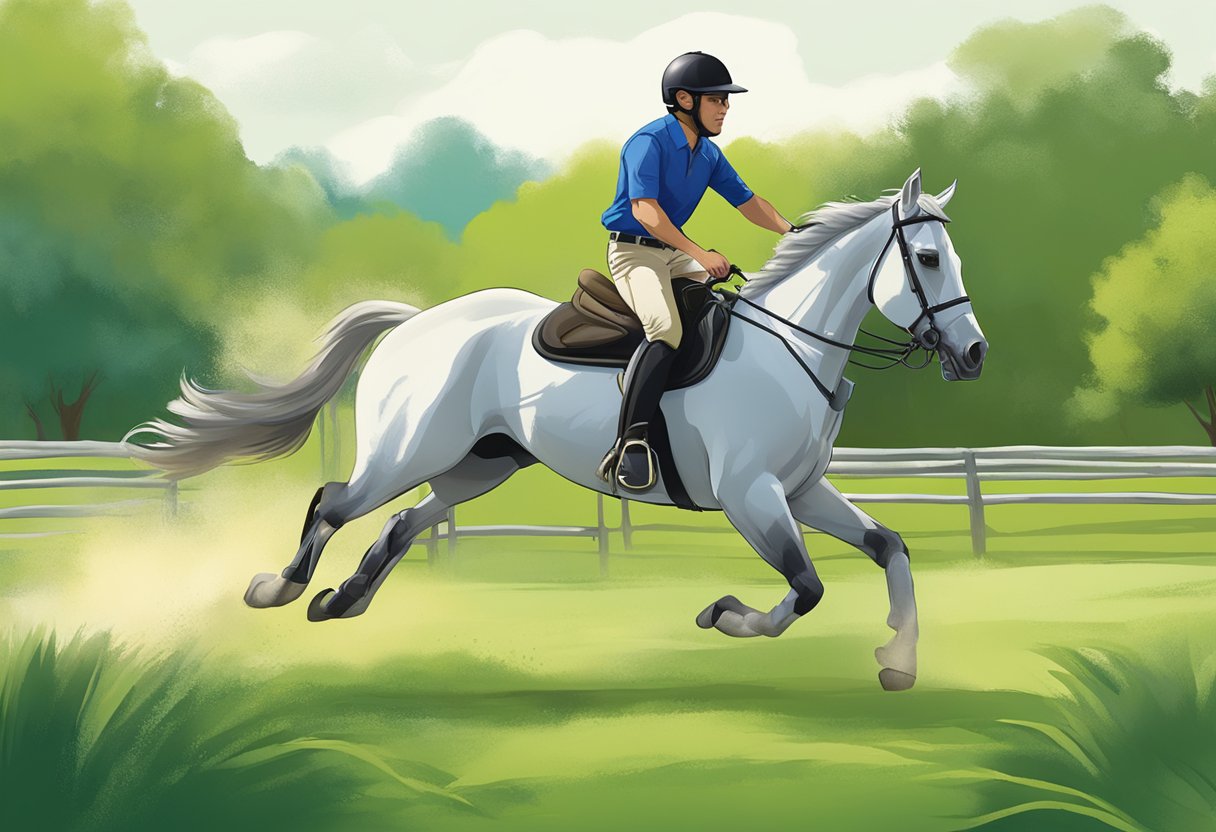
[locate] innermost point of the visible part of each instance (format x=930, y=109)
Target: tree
x=129, y=215
x=1157, y=303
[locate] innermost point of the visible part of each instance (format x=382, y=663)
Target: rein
x=927, y=340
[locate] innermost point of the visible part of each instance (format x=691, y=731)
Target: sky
x=360, y=77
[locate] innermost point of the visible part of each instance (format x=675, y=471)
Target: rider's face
x=713, y=110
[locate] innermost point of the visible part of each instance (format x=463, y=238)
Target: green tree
x=1157, y=303
x=129, y=215
x=1056, y=165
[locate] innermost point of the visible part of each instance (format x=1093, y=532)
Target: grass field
x=515, y=688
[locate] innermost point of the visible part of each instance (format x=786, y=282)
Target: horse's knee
x=881, y=543
x=399, y=533
x=809, y=590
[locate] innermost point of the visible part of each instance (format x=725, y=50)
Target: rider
x=665, y=168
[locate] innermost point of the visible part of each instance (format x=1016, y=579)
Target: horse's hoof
x=316, y=607
x=270, y=590
x=892, y=679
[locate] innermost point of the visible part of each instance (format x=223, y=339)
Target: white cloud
x=547, y=97
x=227, y=62
x=290, y=88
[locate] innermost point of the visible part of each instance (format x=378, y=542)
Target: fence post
x=975, y=504
x=602, y=534
x=335, y=463
x=171, y=499
x=321, y=437
x=626, y=528
x=452, y=534
x=432, y=545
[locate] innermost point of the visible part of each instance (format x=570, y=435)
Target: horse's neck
x=828, y=295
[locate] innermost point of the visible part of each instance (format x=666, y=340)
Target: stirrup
x=636, y=468
x=607, y=467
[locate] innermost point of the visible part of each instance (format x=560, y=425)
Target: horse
x=455, y=396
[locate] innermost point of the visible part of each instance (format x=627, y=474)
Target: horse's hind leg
x=270, y=590
x=823, y=507
x=489, y=464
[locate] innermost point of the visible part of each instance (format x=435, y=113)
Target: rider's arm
x=762, y=213
x=654, y=219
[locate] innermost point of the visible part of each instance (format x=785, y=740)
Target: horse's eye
x=928, y=257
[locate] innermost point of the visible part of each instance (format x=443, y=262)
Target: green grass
x=93, y=737
x=1129, y=746
x=516, y=678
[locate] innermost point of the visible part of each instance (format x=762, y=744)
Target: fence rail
x=126, y=479
x=975, y=466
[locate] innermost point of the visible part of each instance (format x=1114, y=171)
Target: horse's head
x=917, y=283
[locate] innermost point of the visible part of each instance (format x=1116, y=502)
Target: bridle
x=928, y=340
x=932, y=336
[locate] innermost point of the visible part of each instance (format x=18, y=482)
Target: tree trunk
x=1209, y=424
x=29, y=408
x=71, y=413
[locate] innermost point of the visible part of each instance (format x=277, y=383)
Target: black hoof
x=316, y=607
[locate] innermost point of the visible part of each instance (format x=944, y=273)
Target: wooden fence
x=117, y=479
x=974, y=465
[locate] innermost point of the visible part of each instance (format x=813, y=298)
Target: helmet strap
x=695, y=112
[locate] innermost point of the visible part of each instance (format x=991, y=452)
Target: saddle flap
x=591, y=306
x=601, y=287
x=570, y=328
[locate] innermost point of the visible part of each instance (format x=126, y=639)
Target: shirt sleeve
x=640, y=162
x=726, y=182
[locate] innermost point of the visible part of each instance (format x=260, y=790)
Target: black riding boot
x=630, y=460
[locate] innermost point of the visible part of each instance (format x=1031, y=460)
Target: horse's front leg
x=758, y=509
x=822, y=507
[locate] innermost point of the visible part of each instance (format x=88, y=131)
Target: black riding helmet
x=697, y=73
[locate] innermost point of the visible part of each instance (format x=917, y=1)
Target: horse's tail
x=275, y=419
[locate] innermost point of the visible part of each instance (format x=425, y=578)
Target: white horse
x=456, y=396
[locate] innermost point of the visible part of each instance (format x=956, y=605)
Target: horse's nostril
x=975, y=353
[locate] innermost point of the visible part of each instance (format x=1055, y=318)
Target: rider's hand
x=714, y=263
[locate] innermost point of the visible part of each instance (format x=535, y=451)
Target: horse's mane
x=793, y=251
x=831, y=220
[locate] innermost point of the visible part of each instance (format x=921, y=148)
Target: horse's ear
x=909, y=194
x=946, y=195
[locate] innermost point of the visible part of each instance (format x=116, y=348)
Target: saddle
x=597, y=328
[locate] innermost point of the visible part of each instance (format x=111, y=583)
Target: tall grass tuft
x=1132, y=746
x=97, y=738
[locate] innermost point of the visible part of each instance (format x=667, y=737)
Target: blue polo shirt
x=657, y=163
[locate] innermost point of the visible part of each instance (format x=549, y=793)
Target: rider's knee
x=809, y=590
x=881, y=543
x=668, y=330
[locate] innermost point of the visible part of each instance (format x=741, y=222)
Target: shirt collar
x=677, y=135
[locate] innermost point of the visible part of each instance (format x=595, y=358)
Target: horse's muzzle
x=963, y=365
